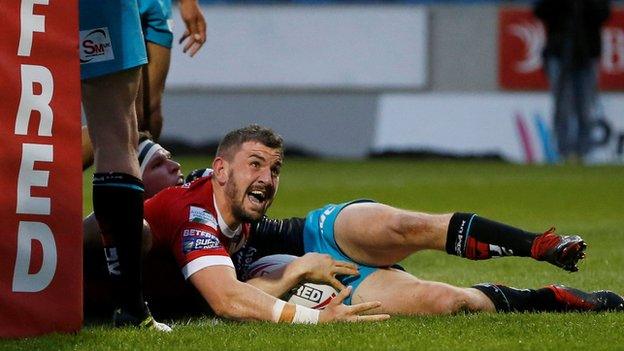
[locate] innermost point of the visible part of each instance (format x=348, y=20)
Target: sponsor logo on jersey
x=194, y=239
x=200, y=215
x=95, y=46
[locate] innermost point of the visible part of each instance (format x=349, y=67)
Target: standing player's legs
x=111, y=51
x=112, y=127
x=380, y=235
x=156, y=22
x=117, y=189
x=149, y=99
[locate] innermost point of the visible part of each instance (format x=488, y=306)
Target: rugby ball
x=310, y=295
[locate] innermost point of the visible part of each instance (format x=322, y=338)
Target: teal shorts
x=111, y=39
x=318, y=236
x=156, y=21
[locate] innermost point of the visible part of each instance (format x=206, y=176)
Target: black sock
x=507, y=299
x=118, y=208
x=479, y=238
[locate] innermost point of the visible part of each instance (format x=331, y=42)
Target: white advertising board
x=337, y=47
x=514, y=126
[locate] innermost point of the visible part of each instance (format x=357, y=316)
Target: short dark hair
x=232, y=141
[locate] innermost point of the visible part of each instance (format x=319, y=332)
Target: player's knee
x=452, y=301
x=405, y=224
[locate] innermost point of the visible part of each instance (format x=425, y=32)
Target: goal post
x=41, y=178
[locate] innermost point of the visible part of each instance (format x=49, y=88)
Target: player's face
x=253, y=179
x=161, y=172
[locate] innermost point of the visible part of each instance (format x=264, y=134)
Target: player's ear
x=220, y=168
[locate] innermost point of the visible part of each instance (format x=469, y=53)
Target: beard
x=237, y=196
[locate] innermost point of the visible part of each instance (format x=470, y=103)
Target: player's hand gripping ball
x=310, y=295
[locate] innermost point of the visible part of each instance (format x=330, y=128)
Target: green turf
x=589, y=201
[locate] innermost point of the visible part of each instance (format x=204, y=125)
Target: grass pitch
x=589, y=201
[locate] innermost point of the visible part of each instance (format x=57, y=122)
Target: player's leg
x=97, y=290
x=401, y=293
x=117, y=188
x=380, y=235
x=112, y=126
x=153, y=86
x=156, y=19
x=110, y=81
x=552, y=298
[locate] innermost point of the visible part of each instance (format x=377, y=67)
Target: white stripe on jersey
x=205, y=261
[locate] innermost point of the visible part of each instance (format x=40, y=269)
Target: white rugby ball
x=310, y=295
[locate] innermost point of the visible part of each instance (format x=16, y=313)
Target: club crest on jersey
x=194, y=239
x=200, y=215
x=95, y=46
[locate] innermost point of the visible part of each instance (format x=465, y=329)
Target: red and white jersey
x=185, y=221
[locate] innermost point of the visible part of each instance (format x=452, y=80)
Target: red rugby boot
x=576, y=300
x=562, y=251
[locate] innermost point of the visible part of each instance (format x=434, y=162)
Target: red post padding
x=41, y=178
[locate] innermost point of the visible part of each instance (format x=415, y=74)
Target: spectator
x=571, y=54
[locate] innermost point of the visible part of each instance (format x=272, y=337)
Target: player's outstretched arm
x=236, y=300
x=310, y=268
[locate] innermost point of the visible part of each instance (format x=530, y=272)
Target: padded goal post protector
x=41, y=177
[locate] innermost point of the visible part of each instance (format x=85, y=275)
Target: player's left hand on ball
x=322, y=268
x=336, y=311
x=195, y=34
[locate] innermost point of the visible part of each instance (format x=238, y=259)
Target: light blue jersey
x=111, y=39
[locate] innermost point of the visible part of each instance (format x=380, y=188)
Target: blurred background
x=355, y=79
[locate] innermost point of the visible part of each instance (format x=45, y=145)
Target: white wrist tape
x=278, y=307
x=304, y=315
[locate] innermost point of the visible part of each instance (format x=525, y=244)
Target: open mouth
x=257, y=196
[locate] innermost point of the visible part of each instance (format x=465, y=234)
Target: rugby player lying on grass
x=386, y=284
x=201, y=224
x=380, y=279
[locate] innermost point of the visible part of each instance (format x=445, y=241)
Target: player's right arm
x=191, y=232
x=236, y=300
